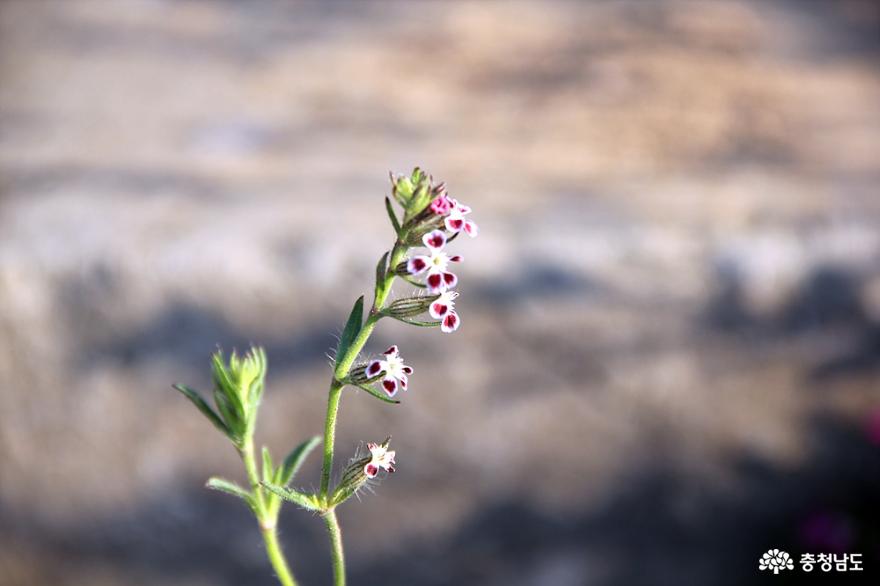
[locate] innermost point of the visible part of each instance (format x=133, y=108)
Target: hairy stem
x=276, y=556
x=383, y=289
x=336, y=545
x=330, y=435
x=344, y=364
x=267, y=518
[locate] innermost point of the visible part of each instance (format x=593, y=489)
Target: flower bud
x=238, y=389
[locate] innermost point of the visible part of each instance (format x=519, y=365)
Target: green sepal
x=294, y=461
x=392, y=216
x=351, y=330
x=402, y=188
x=375, y=393
x=228, y=487
x=203, y=406
x=309, y=502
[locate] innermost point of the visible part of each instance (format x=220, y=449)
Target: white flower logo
x=775, y=560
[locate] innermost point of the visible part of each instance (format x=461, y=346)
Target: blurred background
x=670, y=351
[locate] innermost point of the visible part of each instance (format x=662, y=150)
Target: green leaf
x=306, y=501
x=203, y=406
x=381, y=273
x=228, y=487
x=294, y=460
x=392, y=216
x=412, y=281
x=376, y=394
x=351, y=330
x=268, y=469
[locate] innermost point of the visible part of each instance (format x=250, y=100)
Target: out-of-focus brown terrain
x=671, y=320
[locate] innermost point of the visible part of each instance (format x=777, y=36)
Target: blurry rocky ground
x=671, y=340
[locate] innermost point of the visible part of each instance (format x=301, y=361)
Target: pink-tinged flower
x=456, y=222
x=396, y=372
x=443, y=308
x=442, y=205
x=381, y=457
x=439, y=279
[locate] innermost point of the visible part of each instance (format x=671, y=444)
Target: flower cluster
x=439, y=280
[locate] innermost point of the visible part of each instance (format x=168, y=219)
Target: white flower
x=443, y=308
x=456, y=222
x=381, y=457
x=396, y=372
x=439, y=279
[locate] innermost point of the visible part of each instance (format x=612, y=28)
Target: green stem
x=276, y=556
x=336, y=545
x=267, y=517
x=345, y=363
x=330, y=435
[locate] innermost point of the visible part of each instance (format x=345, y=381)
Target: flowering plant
x=431, y=219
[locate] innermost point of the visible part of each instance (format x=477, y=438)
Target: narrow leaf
x=381, y=275
x=229, y=488
x=305, y=501
x=294, y=460
x=392, y=216
x=379, y=395
x=412, y=281
x=421, y=324
x=203, y=406
x=351, y=330
x=268, y=470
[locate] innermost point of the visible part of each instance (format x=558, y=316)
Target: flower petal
x=435, y=240
x=435, y=283
x=374, y=368
x=403, y=380
x=454, y=223
x=438, y=309
x=390, y=386
x=450, y=280
x=471, y=229
x=371, y=470
x=417, y=264
x=407, y=369
x=392, y=351
x=455, y=258
x=450, y=323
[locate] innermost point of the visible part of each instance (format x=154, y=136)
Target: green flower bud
x=238, y=389
x=410, y=306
